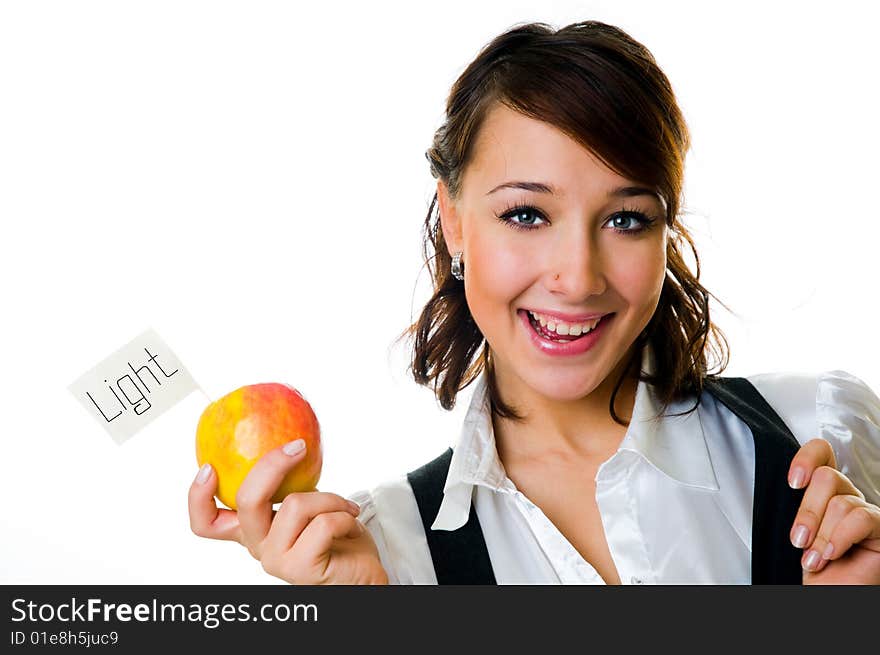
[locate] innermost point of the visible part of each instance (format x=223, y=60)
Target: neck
x=561, y=430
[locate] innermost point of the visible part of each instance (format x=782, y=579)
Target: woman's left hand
x=838, y=530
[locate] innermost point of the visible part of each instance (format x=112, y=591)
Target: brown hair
x=598, y=85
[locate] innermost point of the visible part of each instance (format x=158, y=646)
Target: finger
x=205, y=518
x=852, y=521
x=812, y=455
x=838, y=507
x=858, y=566
x=296, y=512
x=317, y=538
x=825, y=483
x=254, y=497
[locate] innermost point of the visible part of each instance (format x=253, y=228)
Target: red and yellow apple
x=239, y=428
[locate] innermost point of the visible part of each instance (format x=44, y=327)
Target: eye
x=637, y=221
x=522, y=217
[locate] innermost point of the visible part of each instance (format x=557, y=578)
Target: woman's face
x=573, y=250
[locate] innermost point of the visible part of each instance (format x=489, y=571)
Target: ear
x=450, y=221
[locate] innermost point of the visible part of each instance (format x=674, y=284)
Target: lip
x=568, y=318
x=569, y=348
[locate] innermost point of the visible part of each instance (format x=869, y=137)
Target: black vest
x=460, y=556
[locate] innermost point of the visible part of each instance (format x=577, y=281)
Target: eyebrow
x=540, y=187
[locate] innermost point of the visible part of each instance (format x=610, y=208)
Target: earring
x=457, y=270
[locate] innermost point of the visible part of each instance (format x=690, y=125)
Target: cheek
x=498, y=272
x=639, y=279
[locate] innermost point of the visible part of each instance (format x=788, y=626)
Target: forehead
x=511, y=145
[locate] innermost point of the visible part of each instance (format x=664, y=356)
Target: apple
x=239, y=428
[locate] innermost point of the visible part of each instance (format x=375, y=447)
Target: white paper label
x=133, y=386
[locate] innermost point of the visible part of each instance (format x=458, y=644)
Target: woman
x=597, y=448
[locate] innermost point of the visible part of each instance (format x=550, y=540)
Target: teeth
x=565, y=329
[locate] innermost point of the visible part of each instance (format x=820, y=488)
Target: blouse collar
x=675, y=445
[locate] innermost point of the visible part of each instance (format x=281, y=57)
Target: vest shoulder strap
x=774, y=559
x=459, y=556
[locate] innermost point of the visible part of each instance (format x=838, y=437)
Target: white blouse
x=675, y=499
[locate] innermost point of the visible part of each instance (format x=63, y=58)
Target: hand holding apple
x=314, y=537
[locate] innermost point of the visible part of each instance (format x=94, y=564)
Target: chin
x=563, y=387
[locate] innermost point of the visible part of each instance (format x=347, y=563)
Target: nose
x=576, y=270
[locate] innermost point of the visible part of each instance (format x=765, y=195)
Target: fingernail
x=800, y=536
x=294, y=447
x=812, y=560
x=829, y=549
x=204, y=473
x=797, y=479
x=354, y=506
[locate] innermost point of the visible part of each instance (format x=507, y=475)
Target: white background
x=249, y=179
